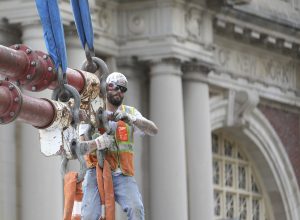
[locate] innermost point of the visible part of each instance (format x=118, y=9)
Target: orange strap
x=72, y=192
x=106, y=190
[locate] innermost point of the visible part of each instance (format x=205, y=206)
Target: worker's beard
x=114, y=99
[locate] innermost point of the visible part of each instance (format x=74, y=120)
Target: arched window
x=237, y=194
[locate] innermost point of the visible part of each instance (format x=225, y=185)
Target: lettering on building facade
x=261, y=68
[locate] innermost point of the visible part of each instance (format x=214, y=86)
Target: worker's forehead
x=117, y=78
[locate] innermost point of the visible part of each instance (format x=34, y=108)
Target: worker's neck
x=111, y=107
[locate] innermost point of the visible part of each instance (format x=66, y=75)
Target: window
x=237, y=194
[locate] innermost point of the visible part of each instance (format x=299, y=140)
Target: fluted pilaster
x=167, y=149
x=198, y=142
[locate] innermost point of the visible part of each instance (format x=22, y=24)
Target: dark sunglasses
x=115, y=87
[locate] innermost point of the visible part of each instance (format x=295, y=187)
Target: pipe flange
x=16, y=101
x=31, y=68
x=44, y=75
x=40, y=71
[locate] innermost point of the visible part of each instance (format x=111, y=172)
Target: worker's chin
x=116, y=101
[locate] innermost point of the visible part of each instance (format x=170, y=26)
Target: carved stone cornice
x=259, y=32
x=237, y=2
x=279, y=42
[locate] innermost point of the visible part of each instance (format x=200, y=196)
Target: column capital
x=131, y=67
x=70, y=30
x=196, y=71
x=9, y=34
x=71, y=36
x=166, y=66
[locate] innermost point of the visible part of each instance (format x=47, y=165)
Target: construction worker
x=125, y=121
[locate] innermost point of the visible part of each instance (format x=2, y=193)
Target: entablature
x=220, y=80
x=283, y=12
x=284, y=41
x=173, y=28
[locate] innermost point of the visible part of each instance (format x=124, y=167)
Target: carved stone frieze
x=103, y=19
x=136, y=23
x=193, y=22
x=261, y=68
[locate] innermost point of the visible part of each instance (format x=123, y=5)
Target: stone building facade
x=221, y=80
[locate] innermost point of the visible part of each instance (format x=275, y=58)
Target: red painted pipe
x=75, y=78
x=34, y=111
x=5, y=100
x=34, y=69
x=37, y=112
x=12, y=63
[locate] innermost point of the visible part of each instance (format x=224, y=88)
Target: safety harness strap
x=53, y=32
x=83, y=22
x=72, y=193
x=106, y=190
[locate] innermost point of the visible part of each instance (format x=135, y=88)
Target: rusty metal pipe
x=15, y=105
x=5, y=100
x=34, y=70
x=74, y=77
x=12, y=63
x=37, y=112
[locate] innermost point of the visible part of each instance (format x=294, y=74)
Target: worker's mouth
x=117, y=96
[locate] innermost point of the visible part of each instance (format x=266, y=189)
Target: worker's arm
x=100, y=143
x=145, y=125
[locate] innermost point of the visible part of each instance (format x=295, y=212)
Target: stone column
x=137, y=97
x=75, y=51
x=40, y=179
x=168, y=184
x=8, y=161
x=198, y=144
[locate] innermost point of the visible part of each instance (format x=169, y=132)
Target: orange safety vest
x=121, y=155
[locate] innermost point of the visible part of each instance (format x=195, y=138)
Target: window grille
x=237, y=193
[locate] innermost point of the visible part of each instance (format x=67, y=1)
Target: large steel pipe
x=12, y=63
x=15, y=105
x=34, y=70
x=37, y=112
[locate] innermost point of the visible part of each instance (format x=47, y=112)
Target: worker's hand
x=84, y=148
x=124, y=116
x=104, y=141
x=83, y=115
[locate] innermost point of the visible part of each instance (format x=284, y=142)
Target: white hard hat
x=117, y=78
